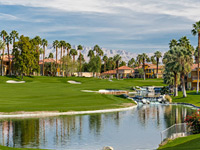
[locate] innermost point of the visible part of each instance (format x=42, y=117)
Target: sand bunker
x=88, y=91
x=12, y=81
x=74, y=82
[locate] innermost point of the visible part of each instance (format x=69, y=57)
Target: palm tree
x=3, y=34
x=152, y=60
x=117, y=59
x=179, y=60
x=8, y=40
x=62, y=44
x=80, y=48
x=157, y=55
x=68, y=48
x=144, y=58
x=44, y=44
x=73, y=52
x=56, y=46
x=14, y=34
x=110, y=63
x=131, y=62
x=196, y=55
x=139, y=59
x=38, y=42
x=90, y=54
x=105, y=59
x=173, y=43
x=2, y=47
x=195, y=31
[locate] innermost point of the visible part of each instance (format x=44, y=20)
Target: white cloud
x=7, y=17
x=189, y=9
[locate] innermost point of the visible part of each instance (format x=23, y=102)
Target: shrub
x=164, y=90
x=193, y=122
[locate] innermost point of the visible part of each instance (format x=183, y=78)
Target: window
x=189, y=75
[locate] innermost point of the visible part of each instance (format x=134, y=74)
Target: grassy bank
x=192, y=98
x=185, y=143
x=56, y=94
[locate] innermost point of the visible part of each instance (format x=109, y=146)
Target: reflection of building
x=123, y=71
x=192, y=77
x=150, y=71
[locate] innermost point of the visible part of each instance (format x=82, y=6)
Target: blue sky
x=132, y=25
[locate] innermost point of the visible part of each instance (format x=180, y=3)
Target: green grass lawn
x=185, y=143
x=56, y=94
x=10, y=148
x=192, y=98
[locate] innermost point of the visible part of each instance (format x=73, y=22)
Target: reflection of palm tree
x=95, y=123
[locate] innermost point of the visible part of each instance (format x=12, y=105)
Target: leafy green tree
x=95, y=64
x=157, y=55
x=3, y=34
x=44, y=44
x=123, y=63
x=117, y=59
x=8, y=40
x=25, y=58
x=50, y=55
x=195, y=31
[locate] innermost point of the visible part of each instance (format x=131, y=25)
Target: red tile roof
x=48, y=60
x=110, y=72
x=6, y=59
x=194, y=66
x=125, y=68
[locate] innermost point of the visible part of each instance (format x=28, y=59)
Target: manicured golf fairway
x=56, y=94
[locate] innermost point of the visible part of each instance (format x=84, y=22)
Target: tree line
x=179, y=60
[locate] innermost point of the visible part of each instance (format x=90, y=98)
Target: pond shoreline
x=38, y=114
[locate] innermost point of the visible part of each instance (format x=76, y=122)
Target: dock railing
x=175, y=131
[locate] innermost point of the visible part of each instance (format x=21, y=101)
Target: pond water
x=138, y=128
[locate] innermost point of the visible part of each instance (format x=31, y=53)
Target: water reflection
x=140, y=127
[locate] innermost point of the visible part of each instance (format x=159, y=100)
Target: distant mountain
x=126, y=56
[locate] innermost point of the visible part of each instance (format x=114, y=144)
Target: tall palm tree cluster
x=178, y=61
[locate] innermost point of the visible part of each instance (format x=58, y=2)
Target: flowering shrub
x=193, y=122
